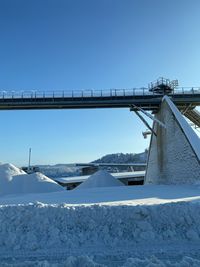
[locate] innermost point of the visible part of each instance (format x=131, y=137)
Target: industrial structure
x=159, y=97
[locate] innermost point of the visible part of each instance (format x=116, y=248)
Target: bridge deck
x=114, y=98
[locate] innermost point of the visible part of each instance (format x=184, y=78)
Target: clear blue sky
x=100, y=44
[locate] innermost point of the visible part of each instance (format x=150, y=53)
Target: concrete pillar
x=174, y=155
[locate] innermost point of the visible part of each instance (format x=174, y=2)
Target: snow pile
x=33, y=183
x=155, y=262
x=71, y=261
x=100, y=179
x=14, y=181
x=7, y=172
x=118, y=195
x=86, y=261
x=141, y=221
x=78, y=228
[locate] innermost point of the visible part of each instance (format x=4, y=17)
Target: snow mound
x=80, y=228
x=7, y=171
x=14, y=181
x=100, y=179
x=88, y=261
x=33, y=183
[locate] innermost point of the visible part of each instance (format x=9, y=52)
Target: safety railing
x=34, y=94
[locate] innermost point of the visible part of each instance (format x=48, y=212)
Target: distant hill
x=64, y=170
x=124, y=158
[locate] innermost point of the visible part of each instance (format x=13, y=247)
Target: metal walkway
x=114, y=98
x=194, y=116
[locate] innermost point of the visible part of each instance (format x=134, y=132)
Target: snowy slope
x=33, y=183
x=100, y=179
x=116, y=226
x=118, y=195
x=7, y=172
x=14, y=181
x=151, y=220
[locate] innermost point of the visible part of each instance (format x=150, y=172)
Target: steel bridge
x=114, y=98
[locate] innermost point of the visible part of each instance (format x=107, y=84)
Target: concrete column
x=174, y=155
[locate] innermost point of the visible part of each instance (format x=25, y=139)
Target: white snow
x=111, y=226
x=14, y=181
x=100, y=179
x=135, y=223
x=118, y=195
x=118, y=226
x=89, y=261
x=187, y=129
x=33, y=183
x=7, y=172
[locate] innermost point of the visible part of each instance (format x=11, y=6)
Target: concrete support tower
x=174, y=154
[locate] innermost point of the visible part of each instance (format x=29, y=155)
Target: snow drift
x=7, y=172
x=110, y=230
x=86, y=261
x=100, y=179
x=33, y=183
x=140, y=221
x=14, y=181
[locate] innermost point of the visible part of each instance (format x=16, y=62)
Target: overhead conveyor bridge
x=114, y=98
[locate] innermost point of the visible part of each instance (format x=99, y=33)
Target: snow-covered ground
x=151, y=225
x=114, y=226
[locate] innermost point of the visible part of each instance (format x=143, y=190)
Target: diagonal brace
x=145, y=122
x=148, y=115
